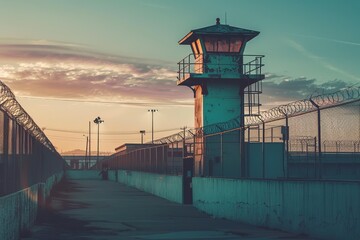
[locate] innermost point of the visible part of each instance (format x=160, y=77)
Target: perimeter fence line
x=27, y=156
x=317, y=138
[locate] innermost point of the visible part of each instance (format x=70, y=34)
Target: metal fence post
x=263, y=148
x=318, y=135
x=221, y=154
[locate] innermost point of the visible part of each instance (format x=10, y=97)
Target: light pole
x=142, y=132
x=89, y=157
x=86, y=152
x=152, y=123
x=98, y=120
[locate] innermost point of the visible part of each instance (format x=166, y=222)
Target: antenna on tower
x=225, y=19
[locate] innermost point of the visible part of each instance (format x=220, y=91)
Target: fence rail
x=311, y=138
x=197, y=64
x=27, y=156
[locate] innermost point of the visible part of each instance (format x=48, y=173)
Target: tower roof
x=219, y=29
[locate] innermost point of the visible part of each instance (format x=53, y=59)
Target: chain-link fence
x=27, y=156
x=311, y=138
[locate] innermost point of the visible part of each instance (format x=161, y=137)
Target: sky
x=70, y=61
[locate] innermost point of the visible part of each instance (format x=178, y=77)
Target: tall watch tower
x=226, y=83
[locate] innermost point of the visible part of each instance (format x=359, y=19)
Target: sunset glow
x=69, y=62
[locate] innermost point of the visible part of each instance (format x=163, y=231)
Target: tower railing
x=196, y=64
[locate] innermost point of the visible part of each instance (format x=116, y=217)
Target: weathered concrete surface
x=18, y=210
x=169, y=187
x=326, y=209
x=94, y=209
x=165, y=186
x=82, y=174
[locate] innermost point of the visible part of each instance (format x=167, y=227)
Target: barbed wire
x=296, y=108
x=292, y=109
x=12, y=107
x=177, y=137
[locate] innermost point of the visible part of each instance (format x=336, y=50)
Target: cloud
x=282, y=89
x=69, y=72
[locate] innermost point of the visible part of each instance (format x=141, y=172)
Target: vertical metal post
x=200, y=170
x=221, y=154
x=177, y=147
x=152, y=127
x=285, y=136
x=152, y=123
x=142, y=132
x=206, y=164
x=166, y=158
x=89, y=158
x=189, y=64
x=184, y=143
x=315, y=158
x=285, y=166
x=156, y=159
x=318, y=135
x=98, y=145
x=98, y=121
x=86, y=152
x=172, y=156
x=263, y=149
x=243, y=172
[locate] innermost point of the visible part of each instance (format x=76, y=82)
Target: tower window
x=214, y=44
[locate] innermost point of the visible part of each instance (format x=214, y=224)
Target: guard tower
x=226, y=83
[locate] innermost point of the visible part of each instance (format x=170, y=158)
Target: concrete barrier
x=82, y=174
x=168, y=187
x=18, y=210
x=325, y=209
x=165, y=186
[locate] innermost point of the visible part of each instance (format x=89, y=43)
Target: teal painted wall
x=325, y=209
x=222, y=103
x=18, y=210
x=231, y=154
x=168, y=187
x=82, y=174
x=222, y=155
x=273, y=160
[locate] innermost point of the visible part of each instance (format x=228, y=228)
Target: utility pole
x=152, y=123
x=184, y=147
x=86, y=152
x=142, y=132
x=89, y=157
x=98, y=121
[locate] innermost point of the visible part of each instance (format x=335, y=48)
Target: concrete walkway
x=94, y=209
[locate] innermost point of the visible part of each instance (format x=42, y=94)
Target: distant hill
x=79, y=152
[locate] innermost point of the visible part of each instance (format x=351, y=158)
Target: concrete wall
x=324, y=209
x=330, y=210
x=18, y=210
x=169, y=187
x=333, y=165
x=83, y=174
